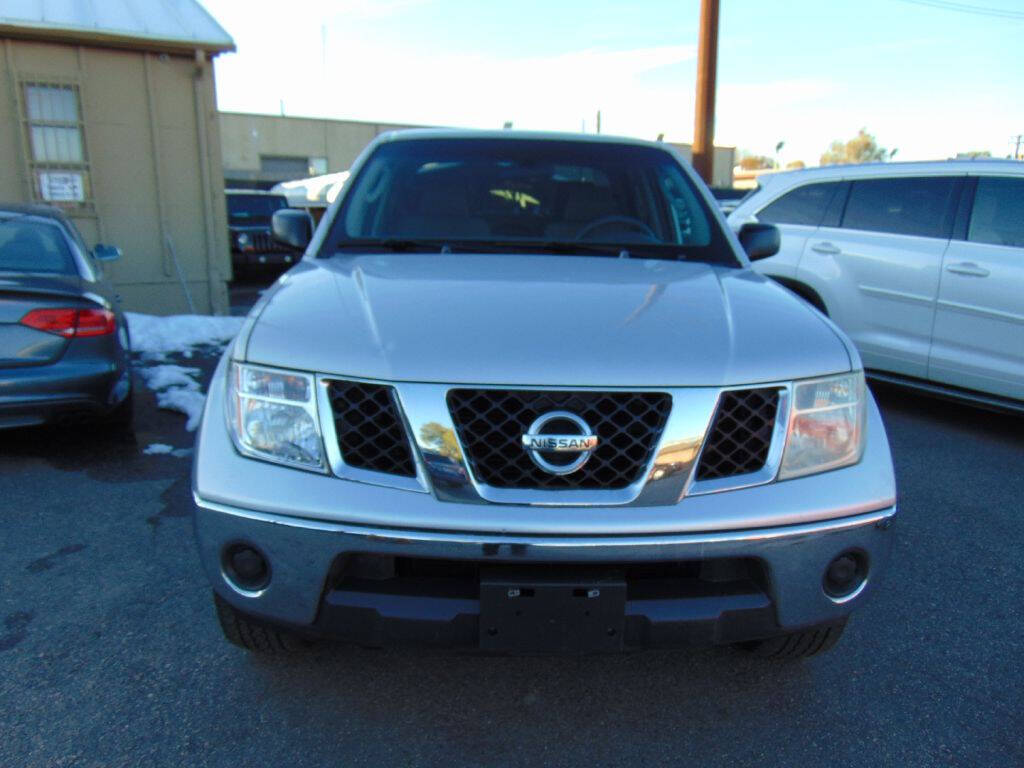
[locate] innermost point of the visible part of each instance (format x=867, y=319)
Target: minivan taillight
x=71, y=322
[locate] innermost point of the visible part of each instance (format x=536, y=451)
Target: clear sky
x=927, y=80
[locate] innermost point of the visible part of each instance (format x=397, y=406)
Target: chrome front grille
x=371, y=433
x=740, y=434
x=491, y=423
x=467, y=444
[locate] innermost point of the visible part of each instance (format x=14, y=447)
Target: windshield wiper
x=394, y=245
x=576, y=248
x=560, y=247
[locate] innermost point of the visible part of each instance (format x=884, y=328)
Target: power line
x=979, y=10
x=976, y=10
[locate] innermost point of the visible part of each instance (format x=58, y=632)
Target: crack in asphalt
x=47, y=562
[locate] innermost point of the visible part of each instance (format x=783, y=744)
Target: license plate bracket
x=526, y=611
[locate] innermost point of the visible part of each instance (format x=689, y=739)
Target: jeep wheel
x=797, y=645
x=252, y=634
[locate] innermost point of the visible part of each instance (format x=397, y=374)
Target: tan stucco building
x=108, y=111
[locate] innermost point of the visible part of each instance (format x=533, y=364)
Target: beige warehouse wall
x=142, y=138
x=245, y=137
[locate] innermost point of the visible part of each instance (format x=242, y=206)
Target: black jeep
x=253, y=250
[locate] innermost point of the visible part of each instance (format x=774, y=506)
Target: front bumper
x=258, y=259
x=305, y=557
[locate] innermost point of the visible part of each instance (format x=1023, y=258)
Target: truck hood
x=540, y=320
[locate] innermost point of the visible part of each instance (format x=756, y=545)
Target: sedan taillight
x=95, y=322
x=72, y=322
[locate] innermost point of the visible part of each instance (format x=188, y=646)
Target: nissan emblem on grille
x=537, y=442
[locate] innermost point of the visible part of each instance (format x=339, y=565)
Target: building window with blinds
x=56, y=138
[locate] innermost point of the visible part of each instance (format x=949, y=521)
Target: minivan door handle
x=825, y=247
x=967, y=268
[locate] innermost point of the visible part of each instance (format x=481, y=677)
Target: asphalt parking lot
x=110, y=654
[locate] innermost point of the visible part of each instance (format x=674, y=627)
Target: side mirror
x=292, y=228
x=106, y=252
x=760, y=240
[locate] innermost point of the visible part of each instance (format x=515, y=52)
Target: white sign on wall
x=62, y=186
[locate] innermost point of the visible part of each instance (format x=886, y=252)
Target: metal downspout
x=212, y=275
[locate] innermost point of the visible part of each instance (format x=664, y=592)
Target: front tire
x=252, y=634
x=797, y=645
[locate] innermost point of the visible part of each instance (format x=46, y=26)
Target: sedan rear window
x=33, y=246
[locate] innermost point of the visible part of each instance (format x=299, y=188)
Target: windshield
x=32, y=246
x=559, y=196
x=253, y=210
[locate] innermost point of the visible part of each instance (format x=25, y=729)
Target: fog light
x=246, y=568
x=845, y=575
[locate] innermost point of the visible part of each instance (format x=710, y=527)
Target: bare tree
x=862, y=148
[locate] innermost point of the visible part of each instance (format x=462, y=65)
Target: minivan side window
x=804, y=205
x=998, y=214
x=904, y=206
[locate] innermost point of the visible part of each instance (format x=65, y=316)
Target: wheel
x=797, y=645
x=254, y=635
x=122, y=418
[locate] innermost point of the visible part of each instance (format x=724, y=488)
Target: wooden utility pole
x=707, y=64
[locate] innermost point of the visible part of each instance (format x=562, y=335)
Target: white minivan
x=922, y=264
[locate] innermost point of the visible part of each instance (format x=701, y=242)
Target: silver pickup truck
x=523, y=393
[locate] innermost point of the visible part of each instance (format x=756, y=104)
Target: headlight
x=272, y=415
x=826, y=425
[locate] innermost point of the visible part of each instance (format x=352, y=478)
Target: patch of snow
x=164, y=376
x=187, y=401
x=162, y=449
x=177, y=388
x=155, y=337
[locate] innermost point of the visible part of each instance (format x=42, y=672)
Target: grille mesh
x=740, y=434
x=370, y=431
x=491, y=424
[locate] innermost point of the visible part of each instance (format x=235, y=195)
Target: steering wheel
x=628, y=221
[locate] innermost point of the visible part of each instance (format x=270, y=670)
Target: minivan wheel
x=254, y=635
x=797, y=645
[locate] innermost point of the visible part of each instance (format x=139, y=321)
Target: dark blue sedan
x=64, y=348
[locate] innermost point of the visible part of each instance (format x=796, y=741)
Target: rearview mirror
x=106, y=252
x=760, y=240
x=292, y=228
